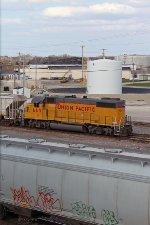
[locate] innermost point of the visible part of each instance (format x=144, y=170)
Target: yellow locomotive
x=100, y=116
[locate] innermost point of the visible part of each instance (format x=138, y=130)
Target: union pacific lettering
x=79, y=108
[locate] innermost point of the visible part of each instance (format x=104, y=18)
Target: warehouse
x=54, y=72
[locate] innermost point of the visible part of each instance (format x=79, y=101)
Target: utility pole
x=82, y=61
x=14, y=74
x=19, y=62
x=23, y=73
x=103, y=52
x=23, y=68
x=132, y=69
x=35, y=73
x=124, y=58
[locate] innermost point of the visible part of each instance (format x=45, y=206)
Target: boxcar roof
x=115, y=160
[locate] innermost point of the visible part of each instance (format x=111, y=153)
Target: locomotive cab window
x=106, y=104
x=36, y=105
x=50, y=100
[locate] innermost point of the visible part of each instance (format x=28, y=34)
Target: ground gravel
x=81, y=138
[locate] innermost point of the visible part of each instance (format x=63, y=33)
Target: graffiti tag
x=45, y=201
x=46, y=190
x=83, y=210
x=109, y=217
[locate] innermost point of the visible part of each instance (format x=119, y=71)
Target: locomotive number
x=37, y=110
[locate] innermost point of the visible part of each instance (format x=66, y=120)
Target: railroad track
x=143, y=124
x=13, y=219
x=144, y=138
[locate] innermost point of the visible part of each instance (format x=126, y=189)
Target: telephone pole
x=36, y=73
x=132, y=69
x=103, y=52
x=82, y=46
x=22, y=62
x=124, y=58
x=23, y=73
x=19, y=63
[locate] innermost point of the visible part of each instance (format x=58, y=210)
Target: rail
x=143, y=138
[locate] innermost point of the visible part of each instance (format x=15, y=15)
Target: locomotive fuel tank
x=82, y=183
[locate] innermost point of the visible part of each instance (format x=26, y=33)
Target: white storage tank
x=104, y=76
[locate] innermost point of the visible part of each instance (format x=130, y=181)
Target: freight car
x=104, y=116
x=81, y=184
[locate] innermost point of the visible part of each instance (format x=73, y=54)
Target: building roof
x=129, y=66
x=55, y=65
x=20, y=88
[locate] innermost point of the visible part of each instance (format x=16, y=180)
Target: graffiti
x=22, y=196
x=48, y=202
x=83, y=210
x=46, y=190
x=109, y=217
x=44, y=200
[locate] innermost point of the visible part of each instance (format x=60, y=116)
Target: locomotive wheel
x=111, y=132
x=108, y=131
x=42, y=125
x=26, y=123
x=47, y=125
x=2, y=212
x=30, y=123
x=85, y=129
x=99, y=130
x=130, y=131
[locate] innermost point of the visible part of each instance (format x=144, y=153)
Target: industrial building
x=54, y=72
x=22, y=91
x=132, y=66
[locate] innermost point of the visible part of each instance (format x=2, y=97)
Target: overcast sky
x=48, y=27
